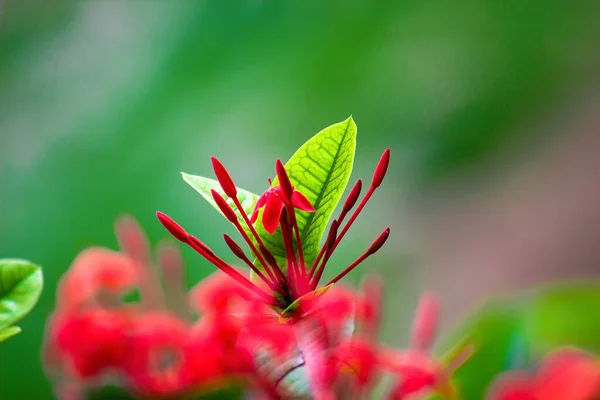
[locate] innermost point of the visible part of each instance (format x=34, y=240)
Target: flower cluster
x=286, y=288
x=156, y=348
x=151, y=346
x=277, y=332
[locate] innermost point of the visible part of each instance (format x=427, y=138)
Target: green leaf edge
x=8, y=332
x=36, y=274
x=309, y=256
x=189, y=179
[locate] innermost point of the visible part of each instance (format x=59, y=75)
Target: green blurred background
x=489, y=108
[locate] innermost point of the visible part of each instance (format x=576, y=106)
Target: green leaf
x=205, y=185
x=491, y=330
x=562, y=315
x=509, y=332
x=320, y=170
x=9, y=332
x=20, y=288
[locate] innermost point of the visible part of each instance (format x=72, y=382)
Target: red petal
x=300, y=202
x=262, y=200
x=254, y=216
x=425, y=323
x=568, y=374
x=272, y=213
x=105, y=341
x=94, y=270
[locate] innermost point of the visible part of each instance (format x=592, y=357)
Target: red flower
x=281, y=287
x=96, y=271
x=273, y=202
x=156, y=362
x=563, y=374
x=88, y=343
x=94, y=334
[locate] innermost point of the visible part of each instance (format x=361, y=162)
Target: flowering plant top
x=283, y=227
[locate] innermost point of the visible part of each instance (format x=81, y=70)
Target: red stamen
x=284, y=182
x=331, y=236
x=210, y=256
x=266, y=264
x=381, y=169
x=350, y=200
x=173, y=227
x=198, y=243
x=232, y=217
x=269, y=257
x=230, y=190
x=286, y=230
x=380, y=241
x=377, y=178
x=234, y=247
x=370, y=251
x=224, y=178
x=224, y=206
x=239, y=252
x=302, y=266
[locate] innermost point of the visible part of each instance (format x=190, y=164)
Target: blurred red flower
x=565, y=373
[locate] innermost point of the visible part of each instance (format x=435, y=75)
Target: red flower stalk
x=419, y=371
x=281, y=287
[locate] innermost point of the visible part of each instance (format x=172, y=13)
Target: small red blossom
x=563, y=374
x=157, y=362
x=94, y=272
x=273, y=203
x=103, y=348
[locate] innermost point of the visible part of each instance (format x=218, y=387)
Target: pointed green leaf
x=320, y=170
x=560, y=316
x=205, y=185
x=9, y=332
x=20, y=288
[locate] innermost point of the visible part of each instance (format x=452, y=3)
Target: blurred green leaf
x=7, y=333
x=109, y=392
x=20, y=288
x=506, y=333
x=565, y=315
x=320, y=170
x=491, y=330
x=205, y=185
